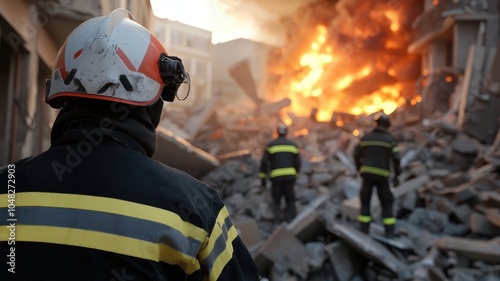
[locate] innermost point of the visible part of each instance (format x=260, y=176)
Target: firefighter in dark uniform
x=281, y=163
x=95, y=206
x=373, y=157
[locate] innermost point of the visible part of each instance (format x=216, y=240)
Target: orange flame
x=301, y=132
x=345, y=65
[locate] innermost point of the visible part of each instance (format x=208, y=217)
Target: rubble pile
x=447, y=206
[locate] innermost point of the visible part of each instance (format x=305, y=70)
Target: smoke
x=365, y=40
x=260, y=20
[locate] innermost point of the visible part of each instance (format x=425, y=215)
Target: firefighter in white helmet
x=95, y=206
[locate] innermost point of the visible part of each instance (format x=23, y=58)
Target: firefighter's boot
x=364, y=227
x=389, y=231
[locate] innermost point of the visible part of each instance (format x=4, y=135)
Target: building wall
x=192, y=45
x=230, y=53
x=465, y=34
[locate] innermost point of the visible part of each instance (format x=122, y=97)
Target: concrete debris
x=447, y=204
x=449, y=190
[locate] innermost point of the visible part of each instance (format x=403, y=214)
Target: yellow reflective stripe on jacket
x=283, y=172
x=219, y=249
x=107, y=205
x=262, y=175
x=103, y=241
x=375, y=171
x=389, y=221
x=283, y=148
x=126, y=227
x=395, y=149
x=376, y=143
x=364, y=219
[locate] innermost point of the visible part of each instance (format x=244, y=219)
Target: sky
x=258, y=20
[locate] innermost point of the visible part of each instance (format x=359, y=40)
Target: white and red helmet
x=116, y=59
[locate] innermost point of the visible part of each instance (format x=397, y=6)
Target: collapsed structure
x=448, y=205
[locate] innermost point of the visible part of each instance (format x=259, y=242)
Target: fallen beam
x=274, y=107
x=370, y=248
x=178, y=153
x=488, y=251
x=241, y=73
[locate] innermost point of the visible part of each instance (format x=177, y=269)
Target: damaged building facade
x=458, y=41
x=448, y=203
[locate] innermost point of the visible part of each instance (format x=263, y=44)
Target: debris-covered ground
x=447, y=206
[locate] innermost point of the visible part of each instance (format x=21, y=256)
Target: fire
x=348, y=63
x=386, y=99
x=394, y=18
x=302, y=132
x=314, y=61
x=416, y=100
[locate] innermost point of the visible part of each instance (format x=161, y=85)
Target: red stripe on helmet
x=126, y=60
x=77, y=54
x=149, y=65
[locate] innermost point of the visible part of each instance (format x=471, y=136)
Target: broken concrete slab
x=346, y=261
x=273, y=107
x=284, y=248
x=465, y=146
x=318, y=254
x=493, y=216
x=480, y=172
x=436, y=274
x=479, y=224
x=488, y=251
x=462, y=213
x=306, y=225
x=241, y=73
x=455, y=179
x=460, y=194
x=491, y=199
x=370, y=248
x=178, y=153
x=248, y=230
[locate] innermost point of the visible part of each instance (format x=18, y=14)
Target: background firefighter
x=373, y=157
x=281, y=162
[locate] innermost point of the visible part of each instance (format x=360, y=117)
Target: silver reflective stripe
x=220, y=244
x=107, y=223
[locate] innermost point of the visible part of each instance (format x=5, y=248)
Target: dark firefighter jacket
x=280, y=161
x=96, y=207
x=374, y=153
